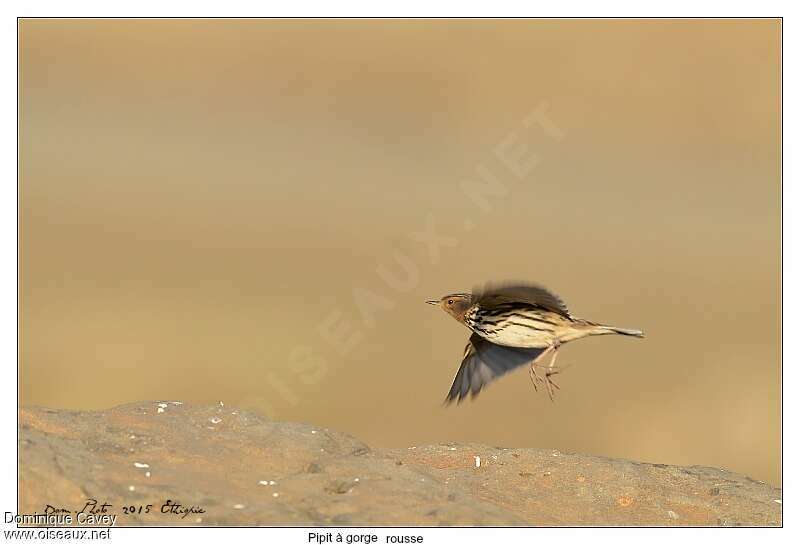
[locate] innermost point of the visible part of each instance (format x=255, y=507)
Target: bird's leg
x=550, y=366
x=535, y=378
x=549, y=373
x=550, y=369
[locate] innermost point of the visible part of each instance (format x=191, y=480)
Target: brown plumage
x=513, y=325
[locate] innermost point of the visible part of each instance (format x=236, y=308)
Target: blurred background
x=236, y=210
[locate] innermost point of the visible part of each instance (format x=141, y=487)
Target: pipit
x=513, y=325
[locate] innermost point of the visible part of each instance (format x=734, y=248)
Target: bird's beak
x=433, y=302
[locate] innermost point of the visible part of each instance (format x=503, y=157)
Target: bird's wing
x=496, y=294
x=483, y=362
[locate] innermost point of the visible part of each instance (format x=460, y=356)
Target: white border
x=8, y=239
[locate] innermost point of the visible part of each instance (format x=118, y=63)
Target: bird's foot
x=550, y=383
x=535, y=378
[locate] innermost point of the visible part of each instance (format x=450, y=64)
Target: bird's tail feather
x=611, y=330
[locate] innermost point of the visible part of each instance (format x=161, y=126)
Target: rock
x=230, y=467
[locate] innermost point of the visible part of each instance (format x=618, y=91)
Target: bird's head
x=455, y=304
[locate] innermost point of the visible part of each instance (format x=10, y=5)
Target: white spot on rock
x=673, y=515
x=452, y=448
x=778, y=501
x=215, y=420
x=162, y=405
x=355, y=480
x=238, y=506
x=275, y=494
x=131, y=488
x=160, y=410
x=477, y=461
x=140, y=465
x=313, y=431
x=263, y=483
x=147, y=474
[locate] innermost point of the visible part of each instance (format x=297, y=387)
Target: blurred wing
x=483, y=362
x=497, y=294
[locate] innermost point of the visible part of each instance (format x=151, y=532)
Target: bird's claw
x=535, y=378
x=549, y=371
x=550, y=384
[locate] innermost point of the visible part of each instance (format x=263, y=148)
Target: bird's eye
x=449, y=301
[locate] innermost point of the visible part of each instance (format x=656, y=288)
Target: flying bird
x=513, y=325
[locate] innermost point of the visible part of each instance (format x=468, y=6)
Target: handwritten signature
x=94, y=507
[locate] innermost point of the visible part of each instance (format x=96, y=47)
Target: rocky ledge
x=223, y=466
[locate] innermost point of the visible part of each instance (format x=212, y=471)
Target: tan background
x=197, y=197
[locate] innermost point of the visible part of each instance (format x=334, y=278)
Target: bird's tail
x=611, y=330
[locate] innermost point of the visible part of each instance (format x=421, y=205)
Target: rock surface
x=242, y=469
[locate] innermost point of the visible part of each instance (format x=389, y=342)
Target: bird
x=513, y=324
